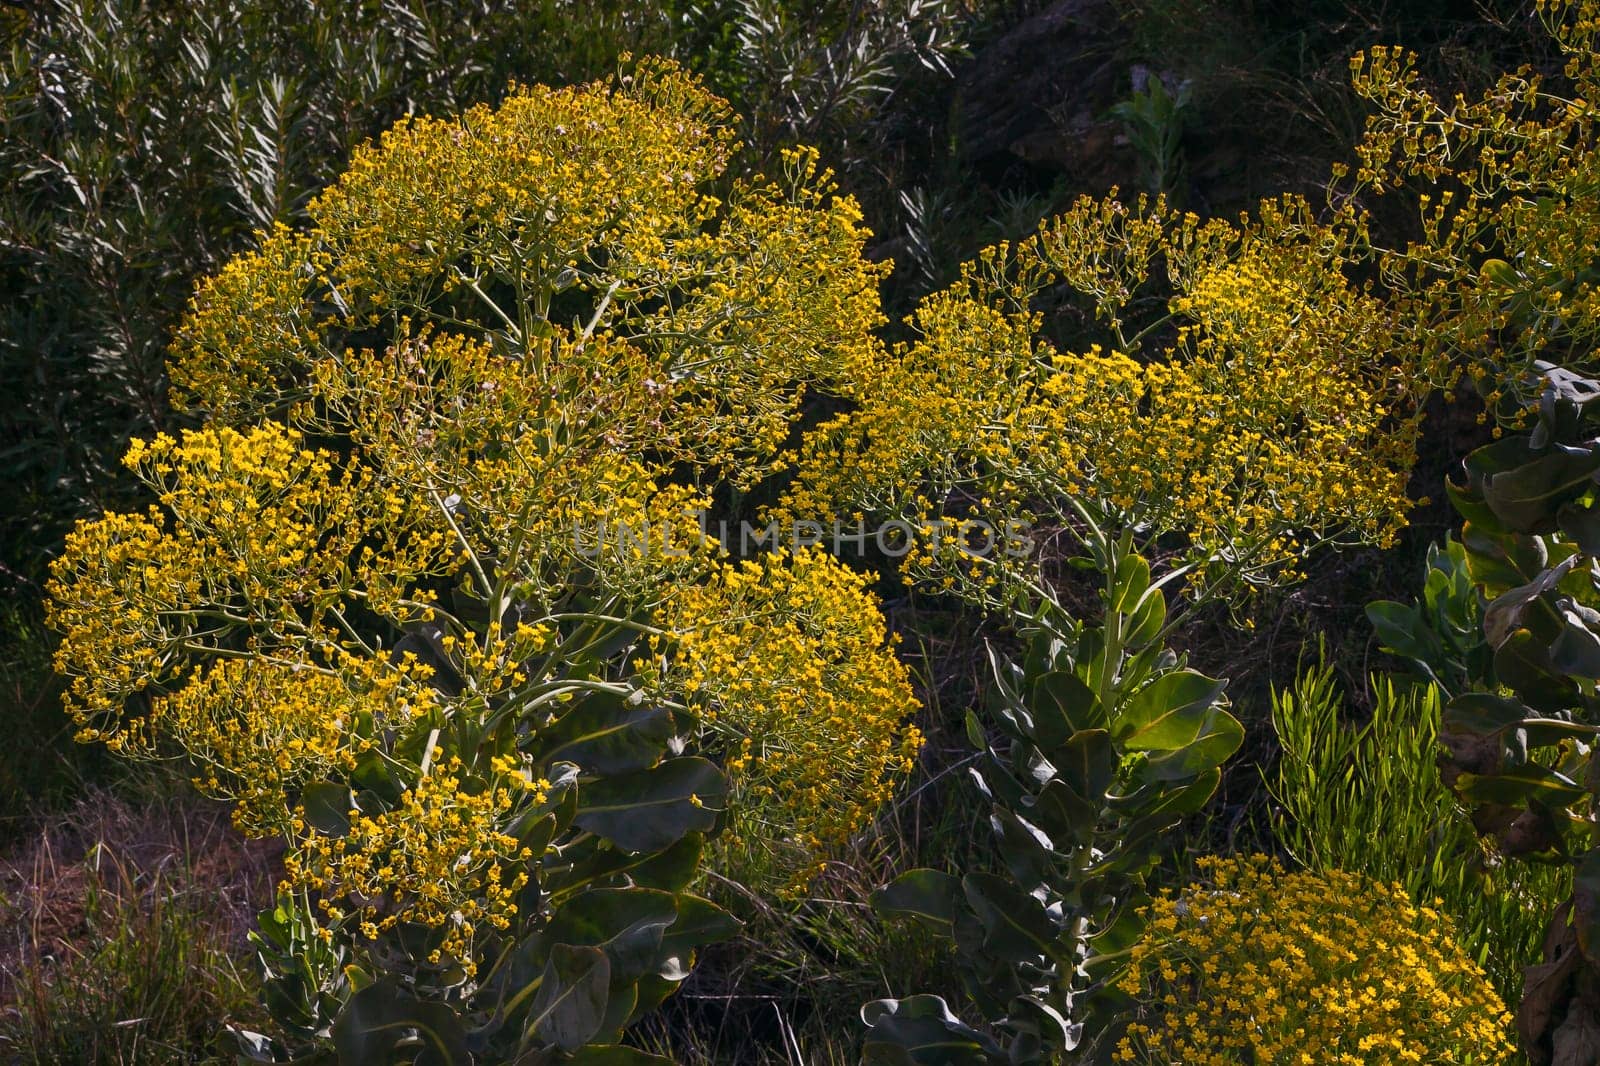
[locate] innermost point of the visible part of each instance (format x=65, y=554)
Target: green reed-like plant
x=1367, y=797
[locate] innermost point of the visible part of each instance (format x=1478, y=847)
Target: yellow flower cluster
x=1510, y=174
x=438, y=859
x=785, y=659
x=574, y=230
x=1271, y=403
x=260, y=729
x=1282, y=969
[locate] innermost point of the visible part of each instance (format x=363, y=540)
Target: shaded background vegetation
x=142, y=143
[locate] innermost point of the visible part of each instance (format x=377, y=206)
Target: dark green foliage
x=1521, y=737
x=1107, y=742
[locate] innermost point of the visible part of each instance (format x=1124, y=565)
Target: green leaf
x=1144, y=624
x=671, y=870
x=327, y=807
x=570, y=1006
x=699, y=922
x=922, y=1031
x=1062, y=812
x=1398, y=631
x=1088, y=762
x=375, y=1020
x=626, y=923
x=1581, y=525
x=1523, y=665
x=1499, y=561
x=1505, y=613
x=1527, y=497
x=1168, y=713
x=605, y=734
x=1129, y=584
x=1061, y=705
x=1219, y=736
x=1521, y=785
x=1016, y=926
x=927, y=894
x=1576, y=649
x=650, y=809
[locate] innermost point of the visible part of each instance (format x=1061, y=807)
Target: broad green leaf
x=1087, y=762
x=1530, y=783
x=922, y=893
x=570, y=1006
x=373, y=1022
x=922, y=1031
x=699, y=922
x=649, y=810
x=327, y=807
x=1168, y=713
x=1015, y=924
x=626, y=923
x=1219, y=736
x=1527, y=497
x=605, y=734
x=1130, y=583
x=1062, y=812
x=1061, y=704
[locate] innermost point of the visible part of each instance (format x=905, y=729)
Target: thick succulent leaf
x=1016, y=926
x=570, y=1006
x=607, y=734
x=671, y=870
x=1523, y=664
x=1087, y=762
x=1219, y=736
x=1519, y=785
x=1527, y=496
x=1061, y=704
x=1484, y=714
x=1169, y=713
x=626, y=923
x=327, y=807
x=1506, y=612
x=1401, y=632
x=930, y=895
x=923, y=1031
x=372, y=1023
x=1576, y=650
x=700, y=922
x=1500, y=561
x=1129, y=584
x=1028, y=852
x=1062, y=812
x=649, y=810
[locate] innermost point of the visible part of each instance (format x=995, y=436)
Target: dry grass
x=121, y=933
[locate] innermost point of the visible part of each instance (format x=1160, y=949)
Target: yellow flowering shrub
x=426, y=593
x=440, y=858
x=1259, y=965
x=577, y=228
x=1499, y=270
x=796, y=679
x=1246, y=392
